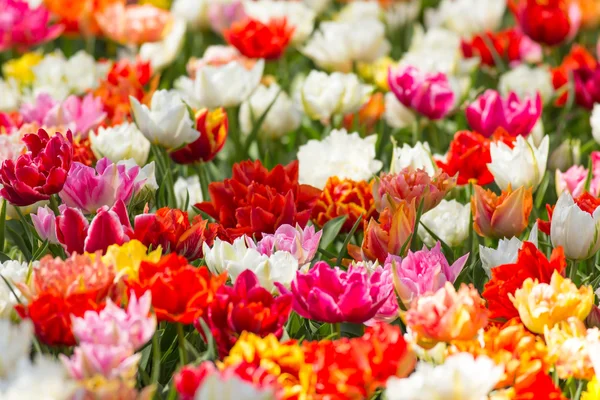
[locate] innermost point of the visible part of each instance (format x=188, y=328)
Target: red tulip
x=257, y=40
x=511, y=45
x=40, y=172
x=548, y=22
x=213, y=126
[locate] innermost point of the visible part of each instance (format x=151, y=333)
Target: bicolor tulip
x=213, y=128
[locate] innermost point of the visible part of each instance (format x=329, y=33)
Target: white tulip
x=449, y=221
x=396, y=114
x=317, y=5
x=418, y=157
x=189, y=188
x=523, y=165
x=82, y=72
x=281, y=118
x=577, y=231
x=527, y=81
x=595, y=122
x=193, y=12
x=467, y=17
x=167, y=122
x=218, y=387
x=163, y=53
x=15, y=345
x=437, y=50
x=402, y=13
x=14, y=272
x=221, y=86
x=506, y=252
x=451, y=380
x=323, y=95
x=337, y=45
x=280, y=267
x=347, y=156
x=297, y=15
x=11, y=95
x=359, y=11
x=44, y=378
x=120, y=142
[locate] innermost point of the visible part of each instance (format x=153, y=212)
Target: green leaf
x=4, y=257
x=347, y=240
x=331, y=230
x=413, y=241
x=541, y=191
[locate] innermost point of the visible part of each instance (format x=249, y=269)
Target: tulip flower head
x=548, y=22
x=543, y=305
x=428, y=94
x=511, y=45
x=255, y=39
x=501, y=216
x=213, y=128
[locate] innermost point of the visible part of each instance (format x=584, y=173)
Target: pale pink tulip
x=44, y=222
x=80, y=115
x=300, y=243
x=90, y=360
x=573, y=180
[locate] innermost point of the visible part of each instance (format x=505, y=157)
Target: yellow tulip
x=21, y=69
x=127, y=258
x=543, y=305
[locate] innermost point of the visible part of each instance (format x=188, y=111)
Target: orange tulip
x=134, y=24
x=501, y=216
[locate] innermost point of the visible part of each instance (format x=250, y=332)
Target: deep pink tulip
x=333, y=295
x=22, y=27
x=490, y=112
x=40, y=172
x=424, y=271
x=44, y=222
x=80, y=115
x=89, y=189
x=109, y=226
x=429, y=94
x=587, y=86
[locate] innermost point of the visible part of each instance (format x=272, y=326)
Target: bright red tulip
x=257, y=40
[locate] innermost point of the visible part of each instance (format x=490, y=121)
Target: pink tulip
x=36, y=112
x=423, y=271
x=222, y=15
x=490, y=112
x=333, y=295
x=80, y=115
x=573, y=179
x=109, y=226
x=90, y=360
x=300, y=243
x=114, y=326
x=429, y=94
x=44, y=222
x=22, y=27
x=389, y=310
x=89, y=189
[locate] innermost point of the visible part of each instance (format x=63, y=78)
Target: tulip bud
x=593, y=318
x=568, y=153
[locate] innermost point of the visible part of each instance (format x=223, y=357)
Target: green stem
x=337, y=328
x=181, y=339
x=54, y=204
x=155, y=358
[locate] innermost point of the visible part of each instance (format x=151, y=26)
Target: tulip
x=213, y=128
x=89, y=189
x=300, y=243
x=526, y=81
x=568, y=154
x=543, y=305
x=396, y=114
x=25, y=26
x=449, y=221
x=80, y=115
x=447, y=315
x=506, y=252
x=423, y=272
x=595, y=122
x=109, y=226
x=120, y=142
x=586, y=86
x=246, y=306
x=568, y=347
x=298, y=15
x=190, y=190
x=133, y=24
x=255, y=39
x=166, y=122
x=114, y=326
x=281, y=118
x=338, y=44
x=428, y=94
x=510, y=45
x=333, y=295
x=467, y=17
x=418, y=157
x=92, y=360
x=490, y=112
x=225, y=85
x=222, y=15
x=44, y=222
x=548, y=22
x=412, y=185
x=570, y=216
x=573, y=180
x=162, y=54
x=127, y=258
x=37, y=111
x=501, y=216
x=40, y=172
x=522, y=165
x=390, y=234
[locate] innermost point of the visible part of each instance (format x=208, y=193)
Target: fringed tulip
x=332, y=295
x=548, y=22
x=423, y=272
x=428, y=94
x=581, y=216
x=91, y=360
x=109, y=226
x=213, y=128
x=24, y=26
x=120, y=142
x=501, y=216
x=543, y=305
x=40, y=172
x=522, y=165
x=412, y=185
x=246, y=306
x=517, y=116
x=447, y=315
